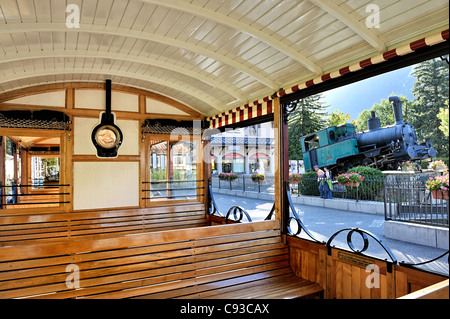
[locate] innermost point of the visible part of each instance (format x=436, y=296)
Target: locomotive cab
x=328, y=146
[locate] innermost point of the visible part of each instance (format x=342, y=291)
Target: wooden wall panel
x=409, y=280
x=344, y=275
x=308, y=260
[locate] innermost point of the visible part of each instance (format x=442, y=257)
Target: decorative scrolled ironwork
x=363, y=233
x=272, y=212
x=403, y=263
x=213, y=210
x=289, y=108
x=48, y=120
x=238, y=213
x=296, y=218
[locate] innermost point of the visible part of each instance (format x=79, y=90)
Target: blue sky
x=356, y=97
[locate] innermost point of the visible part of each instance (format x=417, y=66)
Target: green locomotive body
x=341, y=147
x=329, y=146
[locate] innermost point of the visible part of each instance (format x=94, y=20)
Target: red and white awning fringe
x=264, y=106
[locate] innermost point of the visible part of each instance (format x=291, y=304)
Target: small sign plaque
x=354, y=259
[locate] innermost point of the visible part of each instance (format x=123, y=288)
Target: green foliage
x=444, y=159
x=309, y=184
x=385, y=112
x=257, y=178
x=158, y=175
x=372, y=186
x=431, y=92
x=443, y=116
x=367, y=172
x=307, y=118
x=337, y=118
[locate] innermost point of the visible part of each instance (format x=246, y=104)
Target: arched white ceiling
x=211, y=55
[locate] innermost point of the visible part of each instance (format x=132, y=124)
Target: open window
x=174, y=164
x=311, y=142
x=31, y=170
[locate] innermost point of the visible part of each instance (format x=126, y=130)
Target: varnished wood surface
x=228, y=261
x=344, y=275
x=31, y=227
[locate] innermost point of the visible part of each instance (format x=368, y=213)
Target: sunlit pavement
x=324, y=222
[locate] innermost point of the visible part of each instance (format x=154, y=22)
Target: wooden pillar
x=281, y=164
x=24, y=176
x=15, y=151
x=2, y=170
x=207, y=172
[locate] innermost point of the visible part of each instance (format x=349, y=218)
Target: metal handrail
x=213, y=206
x=297, y=219
x=363, y=233
x=237, y=218
x=173, y=181
x=412, y=265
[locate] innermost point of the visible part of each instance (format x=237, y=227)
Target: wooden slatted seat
x=18, y=228
x=228, y=261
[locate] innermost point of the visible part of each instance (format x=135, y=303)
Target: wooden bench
x=17, y=228
x=229, y=261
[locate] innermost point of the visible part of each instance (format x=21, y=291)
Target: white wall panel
x=82, y=136
x=105, y=185
x=157, y=107
x=55, y=99
x=95, y=99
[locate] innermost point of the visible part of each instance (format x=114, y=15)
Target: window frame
x=172, y=139
x=65, y=191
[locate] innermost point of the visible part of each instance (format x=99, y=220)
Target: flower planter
x=350, y=184
x=439, y=194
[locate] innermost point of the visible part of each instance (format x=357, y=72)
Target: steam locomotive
x=341, y=147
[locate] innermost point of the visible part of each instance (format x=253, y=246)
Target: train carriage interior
x=109, y=113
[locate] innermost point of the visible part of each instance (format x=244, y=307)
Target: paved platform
x=323, y=222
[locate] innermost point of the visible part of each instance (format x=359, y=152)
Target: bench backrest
x=141, y=264
x=18, y=228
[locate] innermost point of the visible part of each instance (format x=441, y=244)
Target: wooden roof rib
x=211, y=55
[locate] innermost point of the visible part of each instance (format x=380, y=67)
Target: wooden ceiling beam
x=26, y=27
x=343, y=16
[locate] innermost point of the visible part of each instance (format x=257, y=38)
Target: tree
x=443, y=116
x=385, y=112
x=431, y=92
x=337, y=118
x=307, y=118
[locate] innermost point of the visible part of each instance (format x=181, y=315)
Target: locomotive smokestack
x=397, y=107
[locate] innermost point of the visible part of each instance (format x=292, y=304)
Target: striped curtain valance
x=264, y=106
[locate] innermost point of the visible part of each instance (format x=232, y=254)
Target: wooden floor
x=263, y=286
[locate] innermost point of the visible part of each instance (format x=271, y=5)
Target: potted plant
x=295, y=178
x=438, y=166
x=438, y=186
x=258, y=178
x=230, y=176
x=350, y=179
x=408, y=166
x=222, y=176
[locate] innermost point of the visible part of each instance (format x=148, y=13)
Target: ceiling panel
x=211, y=55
